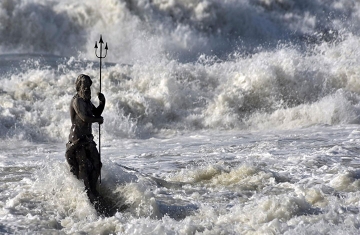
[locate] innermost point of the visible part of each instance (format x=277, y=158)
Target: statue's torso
x=80, y=128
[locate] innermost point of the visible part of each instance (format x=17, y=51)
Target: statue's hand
x=100, y=120
x=101, y=97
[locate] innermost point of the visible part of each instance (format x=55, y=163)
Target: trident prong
x=100, y=57
x=96, y=47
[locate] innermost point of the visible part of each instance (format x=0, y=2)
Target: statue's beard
x=86, y=95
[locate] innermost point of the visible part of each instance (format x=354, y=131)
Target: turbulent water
x=222, y=116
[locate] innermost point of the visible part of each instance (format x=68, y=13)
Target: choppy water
x=222, y=117
x=283, y=182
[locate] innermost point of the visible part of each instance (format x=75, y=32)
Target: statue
x=81, y=152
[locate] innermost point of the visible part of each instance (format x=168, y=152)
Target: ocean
x=222, y=116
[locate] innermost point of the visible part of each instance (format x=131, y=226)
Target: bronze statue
x=81, y=153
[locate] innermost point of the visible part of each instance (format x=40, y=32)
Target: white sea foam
x=159, y=91
x=280, y=89
x=234, y=182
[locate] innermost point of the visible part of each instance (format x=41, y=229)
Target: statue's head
x=83, y=83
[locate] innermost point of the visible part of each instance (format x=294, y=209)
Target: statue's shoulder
x=77, y=100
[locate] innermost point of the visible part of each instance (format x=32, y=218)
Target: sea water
x=221, y=117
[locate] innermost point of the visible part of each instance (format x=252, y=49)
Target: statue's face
x=85, y=91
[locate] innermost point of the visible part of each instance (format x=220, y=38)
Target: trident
x=100, y=57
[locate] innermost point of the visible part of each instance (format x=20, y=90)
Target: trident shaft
x=101, y=56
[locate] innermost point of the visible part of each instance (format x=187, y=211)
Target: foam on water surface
x=277, y=182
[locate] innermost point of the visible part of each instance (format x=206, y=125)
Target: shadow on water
x=110, y=203
x=355, y=174
x=175, y=209
x=6, y=230
x=159, y=182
